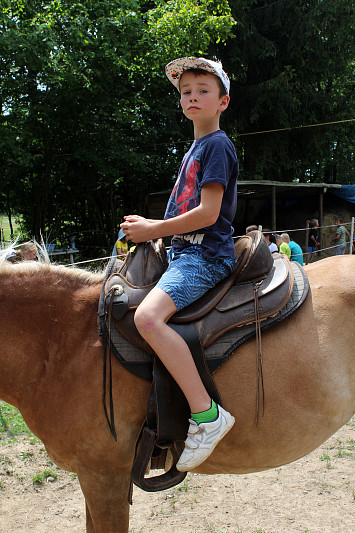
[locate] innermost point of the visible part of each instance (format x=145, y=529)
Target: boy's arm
x=337, y=237
x=140, y=229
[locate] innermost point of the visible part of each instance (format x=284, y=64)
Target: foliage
x=79, y=133
x=203, y=23
x=292, y=65
x=90, y=124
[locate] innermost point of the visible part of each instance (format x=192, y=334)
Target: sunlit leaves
x=189, y=25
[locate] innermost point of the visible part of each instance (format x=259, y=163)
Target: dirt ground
x=315, y=494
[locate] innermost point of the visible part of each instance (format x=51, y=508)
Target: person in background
x=340, y=237
x=121, y=245
x=271, y=241
x=24, y=252
x=313, y=238
x=296, y=250
x=283, y=246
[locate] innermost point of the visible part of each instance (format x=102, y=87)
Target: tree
x=90, y=124
x=80, y=126
x=291, y=65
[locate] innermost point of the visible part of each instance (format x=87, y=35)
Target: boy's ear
x=224, y=102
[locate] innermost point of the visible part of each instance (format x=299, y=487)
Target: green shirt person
x=283, y=246
x=340, y=237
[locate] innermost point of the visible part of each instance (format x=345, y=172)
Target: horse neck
x=40, y=314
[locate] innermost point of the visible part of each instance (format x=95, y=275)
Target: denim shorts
x=190, y=275
x=340, y=249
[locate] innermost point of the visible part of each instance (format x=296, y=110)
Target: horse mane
x=42, y=254
x=65, y=273
x=43, y=264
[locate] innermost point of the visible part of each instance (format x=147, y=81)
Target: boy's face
x=29, y=256
x=200, y=96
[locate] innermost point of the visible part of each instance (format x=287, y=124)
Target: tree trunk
x=9, y=215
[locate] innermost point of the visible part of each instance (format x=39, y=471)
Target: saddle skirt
x=226, y=316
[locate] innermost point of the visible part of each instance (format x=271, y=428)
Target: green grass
x=343, y=449
x=5, y=227
x=346, y=449
x=11, y=422
x=40, y=478
x=26, y=456
x=325, y=457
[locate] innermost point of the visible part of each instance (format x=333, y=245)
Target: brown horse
x=51, y=370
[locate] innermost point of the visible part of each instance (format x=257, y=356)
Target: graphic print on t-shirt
x=186, y=199
x=209, y=159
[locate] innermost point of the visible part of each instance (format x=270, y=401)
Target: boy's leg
x=151, y=320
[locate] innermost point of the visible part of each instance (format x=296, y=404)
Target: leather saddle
x=125, y=290
x=259, y=286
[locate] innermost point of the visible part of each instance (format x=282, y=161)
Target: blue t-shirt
x=210, y=159
x=296, y=252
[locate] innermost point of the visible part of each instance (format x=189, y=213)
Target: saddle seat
x=229, y=304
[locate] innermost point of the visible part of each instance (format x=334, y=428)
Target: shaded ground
x=315, y=494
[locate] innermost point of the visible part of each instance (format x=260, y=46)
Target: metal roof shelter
x=278, y=189
x=255, y=189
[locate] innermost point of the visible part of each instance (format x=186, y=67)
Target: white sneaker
x=203, y=438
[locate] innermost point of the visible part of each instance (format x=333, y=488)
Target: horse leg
x=106, y=497
x=89, y=523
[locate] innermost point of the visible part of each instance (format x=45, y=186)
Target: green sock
x=206, y=416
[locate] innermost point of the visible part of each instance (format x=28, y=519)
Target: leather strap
x=168, y=411
x=259, y=357
x=144, y=452
x=167, y=408
x=189, y=333
x=107, y=345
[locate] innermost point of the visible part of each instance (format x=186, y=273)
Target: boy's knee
x=144, y=321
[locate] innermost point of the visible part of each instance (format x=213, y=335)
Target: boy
x=340, y=237
x=313, y=240
x=199, y=216
x=283, y=246
x=296, y=250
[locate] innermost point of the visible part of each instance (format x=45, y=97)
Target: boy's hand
x=132, y=218
x=137, y=228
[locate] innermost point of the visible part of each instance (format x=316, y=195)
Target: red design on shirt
x=188, y=198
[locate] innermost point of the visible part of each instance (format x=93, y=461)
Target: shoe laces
x=193, y=432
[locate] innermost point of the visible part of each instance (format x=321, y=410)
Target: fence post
x=306, y=241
